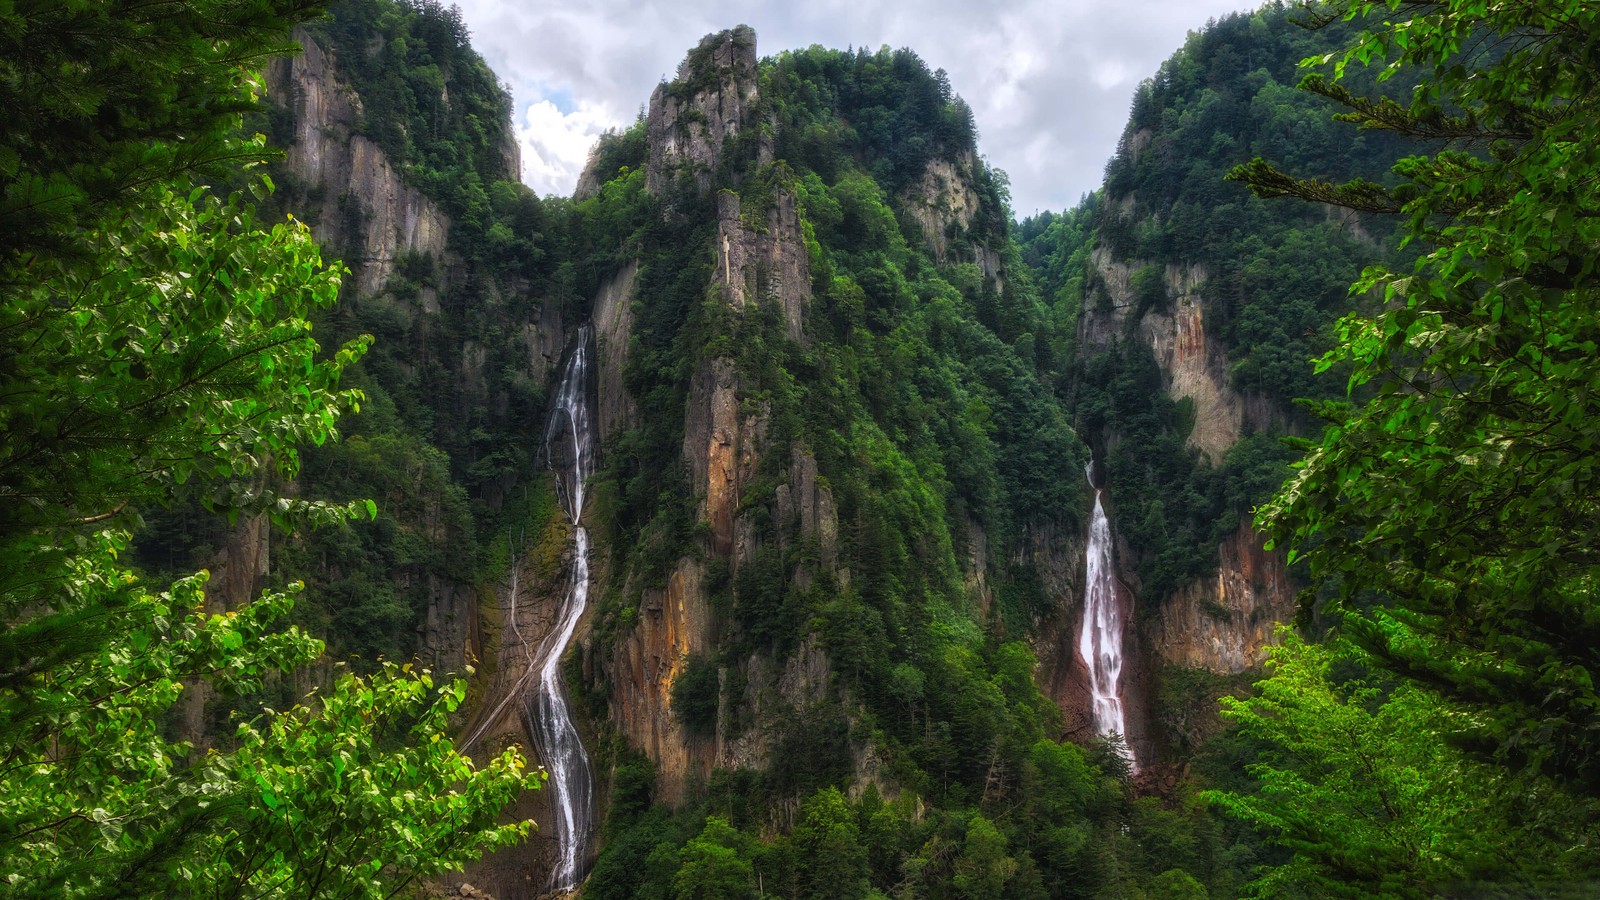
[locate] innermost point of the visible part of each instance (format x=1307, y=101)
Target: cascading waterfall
x=1100, y=638
x=569, y=443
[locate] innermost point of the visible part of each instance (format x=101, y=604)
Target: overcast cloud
x=1050, y=81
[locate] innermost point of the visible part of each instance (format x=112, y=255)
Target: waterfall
x=1100, y=638
x=569, y=444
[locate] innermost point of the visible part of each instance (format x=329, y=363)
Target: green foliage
x=97, y=94
x=695, y=692
x=713, y=867
x=1176, y=884
x=176, y=347
x=1445, y=512
x=423, y=531
x=1357, y=781
x=827, y=839
x=884, y=109
x=984, y=867
x=618, y=153
x=157, y=336
x=1477, y=438
x=321, y=797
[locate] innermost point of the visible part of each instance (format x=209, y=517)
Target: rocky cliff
x=366, y=209
x=1223, y=626
x=760, y=261
x=1222, y=623
x=808, y=541
x=693, y=117
x=466, y=343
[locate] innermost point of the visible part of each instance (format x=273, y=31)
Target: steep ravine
x=866, y=493
x=1223, y=623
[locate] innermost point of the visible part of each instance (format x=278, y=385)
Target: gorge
x=837, y=565
x=779, y=515
x=777, y=578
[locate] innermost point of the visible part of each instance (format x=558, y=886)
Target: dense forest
x=276, y=476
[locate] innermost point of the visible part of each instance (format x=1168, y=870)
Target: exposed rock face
x=1062, y=675
x=1221, y=623
x=1195, y=368
x=448, y=634
x=805, y=504
x=674, y=623
x=766, y=264
x=723, y=446
x=1227, y=625
x=368, y=211
x=943, y=203
x=613, y=322
x=709, y=102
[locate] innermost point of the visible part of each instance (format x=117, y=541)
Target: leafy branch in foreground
x=1453, y=516
x=154, y=334
x=1356, y=782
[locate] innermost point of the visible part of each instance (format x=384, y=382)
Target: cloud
x=1049, y=81
x=555, y=144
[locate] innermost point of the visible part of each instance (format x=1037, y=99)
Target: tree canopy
x=154, y=332
x=1450, y=517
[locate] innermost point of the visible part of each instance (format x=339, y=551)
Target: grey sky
x=1050, y=81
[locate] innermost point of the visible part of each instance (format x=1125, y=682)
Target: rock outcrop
x=760, y=259
x=943, y=204
x=765, y=264
x=1225, y=626
x=368, y=211
x=613, y=322
x=674, y=624
x=692, y=118
x=1221, y=623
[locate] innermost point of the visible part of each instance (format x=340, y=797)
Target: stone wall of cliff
x=1224, y=622
x=367, y=210
x=409, y=282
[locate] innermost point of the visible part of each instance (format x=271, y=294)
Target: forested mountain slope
x=816, y=529
x=835, y=579
x=1198, y=308
x=805, y=292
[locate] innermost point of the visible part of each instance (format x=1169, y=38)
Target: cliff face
x=460, y=351
x=692, y=118
x=1224, y=626
x=943, y=203
x=1193, y=366
x=1222, y=623
x=367, y=209
x=760, y=261
x=772, y=541
x=613, y=320
x=1202, y=307
x=764, y=261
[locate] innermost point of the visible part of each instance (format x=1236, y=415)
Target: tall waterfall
x=1100, y=638
x=569, y=443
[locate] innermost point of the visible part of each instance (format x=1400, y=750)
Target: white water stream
x=1100, y=638
x=569, y=440
x=569, y=446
